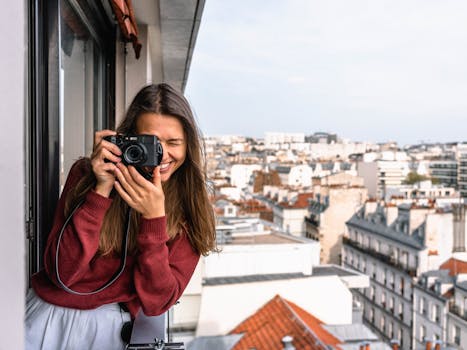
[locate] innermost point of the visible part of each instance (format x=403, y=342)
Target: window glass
x=81, y=88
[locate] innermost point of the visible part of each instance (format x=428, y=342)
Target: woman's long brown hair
x=188, y=209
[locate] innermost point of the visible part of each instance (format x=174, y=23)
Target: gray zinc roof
x=385, y=232
x=225, y=342
x=351, y=332
x=215, y=281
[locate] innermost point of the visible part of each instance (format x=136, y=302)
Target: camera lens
x=134, y=154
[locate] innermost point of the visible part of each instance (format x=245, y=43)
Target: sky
x=372, y=70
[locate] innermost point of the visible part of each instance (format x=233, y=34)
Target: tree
x=413, y=177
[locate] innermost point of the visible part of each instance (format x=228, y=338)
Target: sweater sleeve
x=163, y=267
x=80, y=238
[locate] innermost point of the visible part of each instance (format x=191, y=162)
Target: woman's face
x=170, y=133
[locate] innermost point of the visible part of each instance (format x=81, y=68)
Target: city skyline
x=367, y=71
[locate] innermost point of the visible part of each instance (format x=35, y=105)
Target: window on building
x=383, y=299
x=422, y=333
x=72, y=94
x=436, y=313
x=391, y=304
x=422, y=308
x=377, y=246
x=456, y=335
x=366, y=241
x=81, y=88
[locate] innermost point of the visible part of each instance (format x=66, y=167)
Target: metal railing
x=380, y=256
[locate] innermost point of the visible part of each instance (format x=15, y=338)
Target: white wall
x=241, y=260
x=240, y=174
x=224, y=306
x=12, y=168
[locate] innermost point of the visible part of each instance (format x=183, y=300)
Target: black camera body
x=138, y=150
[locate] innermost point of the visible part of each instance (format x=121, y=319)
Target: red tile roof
x=278, y=318
x=300, y=202
x=454, y=266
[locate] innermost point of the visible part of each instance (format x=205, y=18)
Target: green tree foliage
x=413, y=177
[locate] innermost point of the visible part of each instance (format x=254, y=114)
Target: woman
x=171, y=225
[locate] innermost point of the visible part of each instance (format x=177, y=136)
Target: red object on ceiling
x=124, y=13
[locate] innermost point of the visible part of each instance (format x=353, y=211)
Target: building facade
x=394, y=245
x=462, y=169
x=335, y=199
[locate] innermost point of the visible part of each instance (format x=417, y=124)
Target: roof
x=298, y=202
x=462, y=285
x=332, y=270
x=385, y=231
x=378, y=345
x=225, y=342
x=270, y=238
x=279, y=318
x=455, y=266
x=351, y=332
x=216, y=281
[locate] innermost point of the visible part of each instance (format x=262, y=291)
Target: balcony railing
x=381, y=257
x=454, y=309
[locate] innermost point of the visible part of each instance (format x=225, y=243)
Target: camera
x=138, y=150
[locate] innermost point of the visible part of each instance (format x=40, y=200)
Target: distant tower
x=462, y=169
x=458, y=213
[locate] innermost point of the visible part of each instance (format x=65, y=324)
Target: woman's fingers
x=125, y=196
x=142, y=195
x=126, y=180
x=156, y=177
x=99, y=135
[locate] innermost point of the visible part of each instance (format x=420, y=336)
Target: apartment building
x=423, y=189
x=444, y=169
x=381, y=174
x=462, y=169
x=457, y=317
x=440, y=306
x=431, y=306
x=290, y=214
x=335, y=199
x=294, y=175
x=241, y=174
x=394, y=245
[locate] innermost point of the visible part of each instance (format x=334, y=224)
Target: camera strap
x=122, y=259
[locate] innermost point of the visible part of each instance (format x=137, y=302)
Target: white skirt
x=52, y=327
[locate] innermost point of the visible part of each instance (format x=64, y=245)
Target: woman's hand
x=146, y=197
x=104, y=171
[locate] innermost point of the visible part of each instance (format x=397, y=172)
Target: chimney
x=365, y=346
x=438, y=344
x=428, y=344
x=395, y=344
x=287, y=342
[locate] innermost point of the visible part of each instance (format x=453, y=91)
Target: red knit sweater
x=154, y=279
